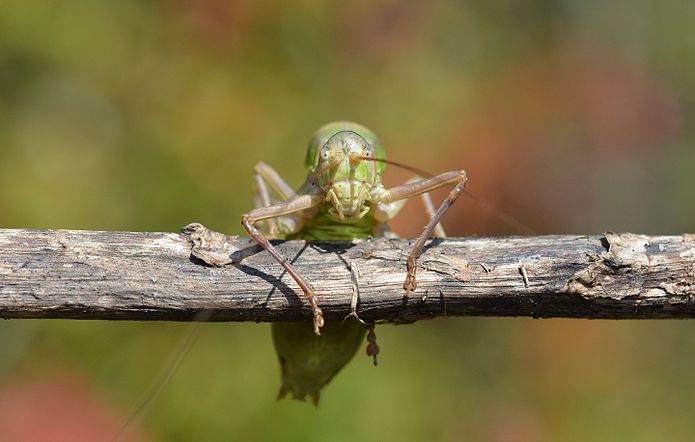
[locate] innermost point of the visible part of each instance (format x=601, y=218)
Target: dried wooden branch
x=167, y=276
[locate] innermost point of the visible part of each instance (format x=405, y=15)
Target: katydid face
x=345, y=176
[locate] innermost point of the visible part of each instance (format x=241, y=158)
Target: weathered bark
x=167, y=276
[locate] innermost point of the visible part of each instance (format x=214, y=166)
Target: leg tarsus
x=410, y=283
x=316, y=311
x=372, y=347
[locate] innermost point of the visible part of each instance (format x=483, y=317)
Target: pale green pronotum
x=342, y=198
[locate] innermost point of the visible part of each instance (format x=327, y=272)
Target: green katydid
x=342, y=198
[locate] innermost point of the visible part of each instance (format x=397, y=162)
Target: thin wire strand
x=165, y=375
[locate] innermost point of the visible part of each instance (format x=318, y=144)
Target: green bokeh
x=572, y=116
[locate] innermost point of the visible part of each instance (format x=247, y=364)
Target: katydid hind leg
x=278, y=184
x=271, y=189
x=262, y=198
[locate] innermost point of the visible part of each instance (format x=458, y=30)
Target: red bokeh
x=59, y=408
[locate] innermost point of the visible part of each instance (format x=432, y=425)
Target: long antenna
x=482, y=202
x=510, y=220
x=415, y=170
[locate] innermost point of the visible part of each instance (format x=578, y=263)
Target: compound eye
x=367, y=151
x=324, y=154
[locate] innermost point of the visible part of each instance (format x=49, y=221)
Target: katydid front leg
x=295, y=204
x=384, y=197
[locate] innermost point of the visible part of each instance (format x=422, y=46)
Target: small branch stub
x=167, y=276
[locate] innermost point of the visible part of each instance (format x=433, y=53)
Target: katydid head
x=339, y=156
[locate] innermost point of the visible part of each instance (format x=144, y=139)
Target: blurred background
x=571, y=116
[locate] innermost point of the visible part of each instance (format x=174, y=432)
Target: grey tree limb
x=168, y=276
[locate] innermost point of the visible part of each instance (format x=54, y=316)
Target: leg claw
x=317, y=312
x=410, y=283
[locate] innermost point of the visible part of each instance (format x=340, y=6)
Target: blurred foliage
x=572, y=116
